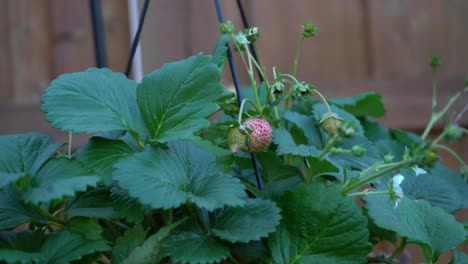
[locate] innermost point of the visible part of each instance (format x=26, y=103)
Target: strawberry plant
x=159, y=182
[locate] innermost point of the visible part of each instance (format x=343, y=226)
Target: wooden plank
x=337, y=52
x=404, y=34
x=163, y=38
x=116, y=26
x=74, y=48
x=455, y=60
x=71, y=30
x=6, y=74
x=30, y=48
x=24, y=118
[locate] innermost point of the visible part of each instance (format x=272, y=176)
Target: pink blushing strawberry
x=260, y=137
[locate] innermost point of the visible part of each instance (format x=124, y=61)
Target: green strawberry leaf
x=169, y=178
x=363, y=104
x=194, y=247
x=307, y=125
x=57, y=178
x=220, y=52
x=370, y=157
x=252, y=221
x=95, y=203
x=21, y=247
x=459, y=257
x=459, y=186
x=88, y=228
x=17, y=256
x=65, y=246
x=319, y=226
x=128, y=207
x=374, y=131
x=96, y=100
x=176, y=99
x=150, y=251
x=273, y=167
x=435, y=187
x=59, y=247
x=275, y=190
x=24, y=154
x=430, y=227
x=14, y=212
x=287, y=145
x=124, y=245
x=100, y=154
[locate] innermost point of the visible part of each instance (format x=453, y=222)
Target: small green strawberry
x=260, y=137
x=236, y=139
x=330, y=123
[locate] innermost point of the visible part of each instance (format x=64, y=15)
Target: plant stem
x=298, y=52
x=347, y=188
x=194, y=213
x=328, y=147
x=54, y=219
x=323, y=99
x=400, y=248
x=460, y=114
x=434, y=91
x=240, y=51
x=232, y=259
x=451, y=151
x=263, y=71
x=437, y=116
x=241, y=109
x=373, y=167
x=70, y=137
x=252, y=80
x=365, y=192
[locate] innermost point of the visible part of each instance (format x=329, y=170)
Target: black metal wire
x=136, y=39
x=246, y=25
x=98, y=33
x=235, y=78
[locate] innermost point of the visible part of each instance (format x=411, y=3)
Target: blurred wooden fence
x=362, y=45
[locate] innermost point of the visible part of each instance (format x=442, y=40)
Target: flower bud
x=252, y=34
x=277, y=87
x=435, y=62
x=388, y=158
x=358, y=150
x=226, y=28
x=308, y=30
x=347, y=129
x=453, y=133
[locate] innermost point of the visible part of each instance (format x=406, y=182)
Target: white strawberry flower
x=418, y=171
x=396, y=191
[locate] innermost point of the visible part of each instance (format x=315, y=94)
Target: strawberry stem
x=349, y=187
x=436, y=116
x=241, y=109
x=298, y=51
x=70, y=137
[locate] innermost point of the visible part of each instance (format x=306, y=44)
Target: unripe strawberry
x=260, y=137
x=236, y=139
x=330, y=123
